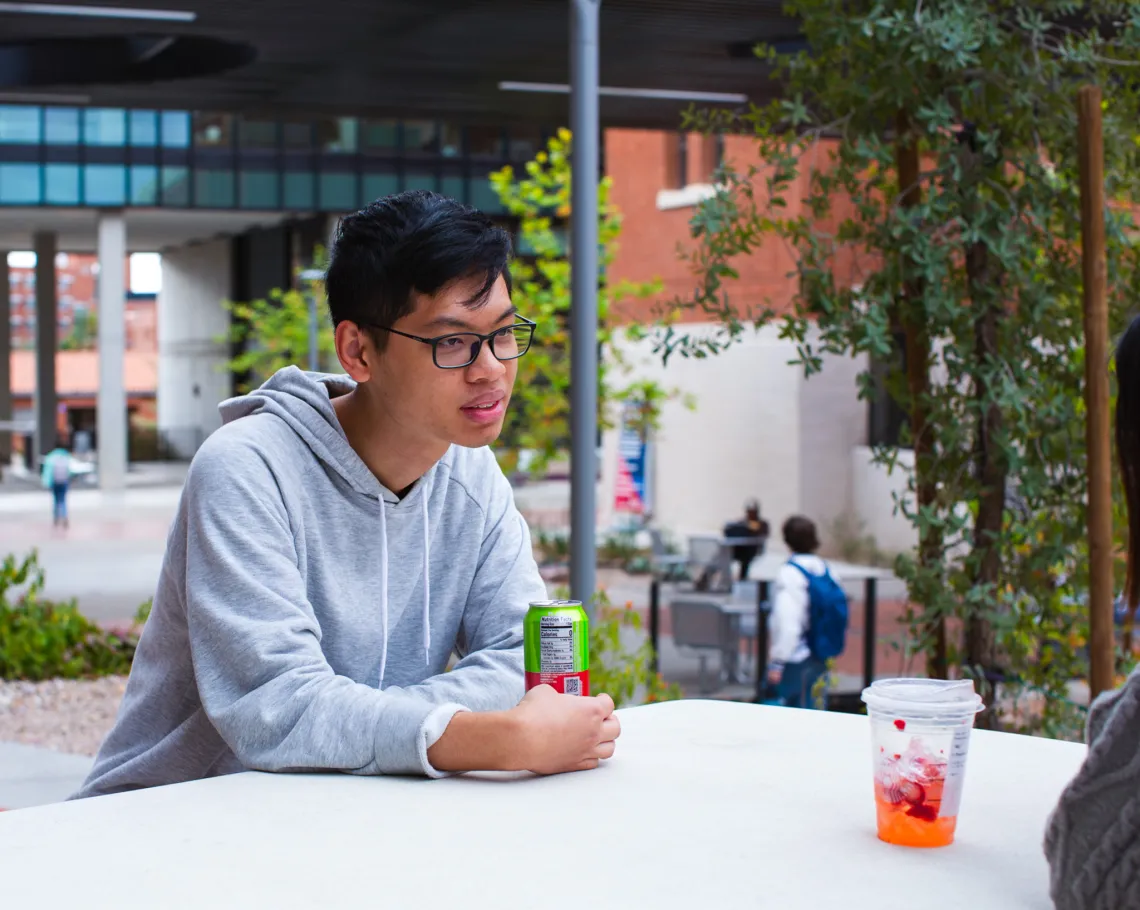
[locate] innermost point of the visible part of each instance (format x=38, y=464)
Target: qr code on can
x=572, y=685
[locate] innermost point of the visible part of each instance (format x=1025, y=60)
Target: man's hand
x=560, y=733
x=546, y=733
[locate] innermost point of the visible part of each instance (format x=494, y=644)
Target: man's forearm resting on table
x=485, y=741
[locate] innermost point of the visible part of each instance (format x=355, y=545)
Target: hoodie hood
x=303, y=400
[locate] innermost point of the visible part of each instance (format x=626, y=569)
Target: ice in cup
x=920, y=734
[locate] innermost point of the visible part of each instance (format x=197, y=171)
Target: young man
x=338, y=537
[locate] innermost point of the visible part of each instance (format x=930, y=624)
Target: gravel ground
x=61, y=714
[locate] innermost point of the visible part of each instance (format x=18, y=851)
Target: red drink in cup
x=920, y=733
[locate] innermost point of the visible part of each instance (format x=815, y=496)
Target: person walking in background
x=808, y=621
x=56, y=476
x=1092, y=839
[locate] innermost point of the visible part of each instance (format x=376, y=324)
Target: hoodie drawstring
x=427, y=588
x=383, y=589
x=384, y=586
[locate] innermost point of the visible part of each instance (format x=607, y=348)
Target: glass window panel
x=175, y=129
x=213, y=188
x=451, y=141
x=144, y=185
x=104, y=184
x=19, y=124
x=420, y=180
x=259, y=190
x=20, y=184
x=525, y=142
x=143, y=127
x=483, y=196
x=213, y=130
x=61, y=125
x=298, y=136
x=379, y=135
x=258, y=134
x=338, y=191
x=376, y=186
x=299, y=190
x=176, y=186
x=421, y=137
x=486, y=142
x=104, y=126
x=61, y=184
x=337, y=135
x=454, y=187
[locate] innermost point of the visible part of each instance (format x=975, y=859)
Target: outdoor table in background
x=706, y=804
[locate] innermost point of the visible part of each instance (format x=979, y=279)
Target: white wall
x=741, y=441
x=873, y=491
x=833, y=421
x=759, y=429
x=191, y=375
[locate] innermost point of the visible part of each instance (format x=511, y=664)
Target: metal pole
x=655, y=620
x=583, y=295
x=1090, y=148
x=870, y=636
x=761, y=641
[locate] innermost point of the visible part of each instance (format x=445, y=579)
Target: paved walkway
x=33, y=777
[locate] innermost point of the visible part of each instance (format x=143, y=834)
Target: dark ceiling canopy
x=442, y=59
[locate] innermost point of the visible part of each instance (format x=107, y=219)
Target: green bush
x=41, y=639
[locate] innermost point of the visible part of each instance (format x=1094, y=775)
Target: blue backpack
x=827, y=614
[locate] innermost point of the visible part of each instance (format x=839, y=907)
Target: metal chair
x=665, y=565
x=710, y=564
x=703, y=626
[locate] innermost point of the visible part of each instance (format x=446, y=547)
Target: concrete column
x=5, y=360
x=111, y=404
x=47, y=343
x=192, y=378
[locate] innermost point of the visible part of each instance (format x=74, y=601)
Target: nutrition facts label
x=955, y=772
x=556, y=644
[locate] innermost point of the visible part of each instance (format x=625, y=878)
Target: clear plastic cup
x=920, y=734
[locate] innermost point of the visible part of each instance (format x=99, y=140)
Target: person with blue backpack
x=808, y=623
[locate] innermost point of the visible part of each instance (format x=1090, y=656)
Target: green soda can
x=556, y=646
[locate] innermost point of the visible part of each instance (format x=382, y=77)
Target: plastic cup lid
x=923, y=697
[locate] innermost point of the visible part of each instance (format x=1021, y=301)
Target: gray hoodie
x=305, y=615
x=1093, y=837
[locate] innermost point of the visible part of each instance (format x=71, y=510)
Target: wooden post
x=1090, y=142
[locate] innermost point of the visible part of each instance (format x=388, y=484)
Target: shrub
x=41, y=639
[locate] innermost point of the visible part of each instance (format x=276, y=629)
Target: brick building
x=759, y=428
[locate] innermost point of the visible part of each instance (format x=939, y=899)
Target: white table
x=706, y=805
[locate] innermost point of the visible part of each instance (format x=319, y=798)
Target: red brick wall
x=642, y=162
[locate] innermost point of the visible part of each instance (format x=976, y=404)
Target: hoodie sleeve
x=256, y=644
x=789, y=614
x=1092, y=840
x=489, y=675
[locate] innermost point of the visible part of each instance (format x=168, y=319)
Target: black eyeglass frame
x=489, y=339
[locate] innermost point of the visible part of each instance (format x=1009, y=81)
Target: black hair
x=800, y=534
x=1128, y=446
x=414, y=241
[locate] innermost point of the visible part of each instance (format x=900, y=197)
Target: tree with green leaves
x=540, y=407
x=921, y=161
x=273, y=332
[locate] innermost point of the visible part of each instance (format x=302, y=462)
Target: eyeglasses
x=461, y=349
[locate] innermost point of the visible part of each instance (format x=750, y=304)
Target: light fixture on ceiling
x=657, y=94
x=98, y=12
x=43, y=98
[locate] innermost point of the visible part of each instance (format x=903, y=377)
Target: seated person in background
x=1092, y=840
x=340, y=536
x=752, y=526
x=792, y=668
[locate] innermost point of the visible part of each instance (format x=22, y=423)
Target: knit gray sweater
x=1092, y=840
